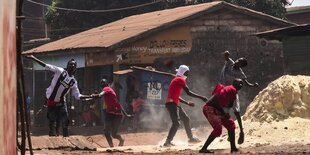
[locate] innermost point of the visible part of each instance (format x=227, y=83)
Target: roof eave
x=68, y=51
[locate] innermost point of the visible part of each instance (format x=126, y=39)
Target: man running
x=113, y=113
x=223, y=97
x=63, y=80
x=175, y=110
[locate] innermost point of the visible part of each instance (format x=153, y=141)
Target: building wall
x=296, y=55
x=167, y=43
x=299, y=18
x=226, y=30
x=8, y=77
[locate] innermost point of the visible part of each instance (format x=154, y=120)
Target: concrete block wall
x=220, y=31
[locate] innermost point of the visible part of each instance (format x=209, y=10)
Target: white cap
x=181, y=70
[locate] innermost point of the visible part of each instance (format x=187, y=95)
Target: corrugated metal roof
x=129, y=29
x=297, y=9
x=279, y=34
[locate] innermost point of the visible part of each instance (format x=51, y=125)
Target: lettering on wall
x=152, y=50
x=167, y=43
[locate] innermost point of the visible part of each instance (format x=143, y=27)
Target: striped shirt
x=61, y=84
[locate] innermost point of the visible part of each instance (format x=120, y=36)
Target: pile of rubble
x=288, y=96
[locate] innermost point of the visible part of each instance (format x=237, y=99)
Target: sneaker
x=168, y=144
x=52, y=135
x=121, y=142
x=205, y=151
x=194, y=140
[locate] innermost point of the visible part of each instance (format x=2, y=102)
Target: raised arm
x=43, y=64
x=226, y=55
x=190, y=93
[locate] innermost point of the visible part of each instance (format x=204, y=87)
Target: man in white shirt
x=233, y=70
x=63, y=81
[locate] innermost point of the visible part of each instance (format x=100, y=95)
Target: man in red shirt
x=214, y=110
x=113, y=113
x=175, y=110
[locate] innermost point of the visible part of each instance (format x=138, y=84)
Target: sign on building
x=154, y=90
x=168, y=43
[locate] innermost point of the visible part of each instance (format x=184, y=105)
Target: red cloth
x=217, y=88
x=136, y=104
x=225, y=95
x=216, y=121
x=111, y=102
x=52, y=103
x=86, y=116
x=175, y=89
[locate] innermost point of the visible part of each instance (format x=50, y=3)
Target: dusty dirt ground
x=285, y=137
x=276, y=122
x=295, y=149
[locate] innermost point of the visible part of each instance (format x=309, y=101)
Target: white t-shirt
x=61, y=84
x=229, y=73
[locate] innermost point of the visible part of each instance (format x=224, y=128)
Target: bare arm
x=190, y=93
x=226, y=55
x=43, y=64
x=77, y=95
x=124, y=112
x=238, y=117
x=241, y=135
x=250, y=84
x=186, y=102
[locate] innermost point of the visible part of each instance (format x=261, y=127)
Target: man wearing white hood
x=175, y=110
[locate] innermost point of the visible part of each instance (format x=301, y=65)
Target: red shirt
x=136, y=104
x=175, y=89
x=111, y=102
x=225, y=95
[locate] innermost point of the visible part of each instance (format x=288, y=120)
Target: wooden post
x=8, y=77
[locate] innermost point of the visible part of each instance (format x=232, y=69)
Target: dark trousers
x=177, y=114
x=58, y=115
x=112, y=123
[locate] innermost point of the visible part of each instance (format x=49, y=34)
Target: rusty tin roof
x=129, y=29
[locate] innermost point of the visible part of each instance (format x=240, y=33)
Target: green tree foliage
x=272, y=7
x=63, y=23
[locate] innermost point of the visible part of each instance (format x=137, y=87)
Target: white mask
x=181, y=70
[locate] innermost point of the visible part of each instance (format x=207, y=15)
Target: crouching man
x=216, y=110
